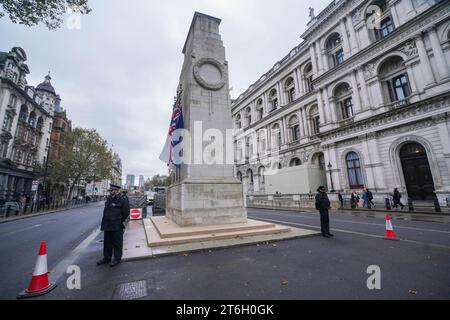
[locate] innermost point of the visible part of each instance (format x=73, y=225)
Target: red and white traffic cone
x=390, y=234
x=39, y=284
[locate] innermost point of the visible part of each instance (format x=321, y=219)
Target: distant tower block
x=205, y=194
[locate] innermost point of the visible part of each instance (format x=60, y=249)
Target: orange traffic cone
x=390, y=234
x=39, y=284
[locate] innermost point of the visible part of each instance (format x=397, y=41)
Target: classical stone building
x=26, y=115
x=363, y=101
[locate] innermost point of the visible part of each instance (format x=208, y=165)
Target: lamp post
x=331, y=177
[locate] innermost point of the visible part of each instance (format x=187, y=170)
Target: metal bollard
x=388, y=204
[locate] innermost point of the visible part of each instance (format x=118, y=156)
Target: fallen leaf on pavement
x=412, y=292
x=284, y=282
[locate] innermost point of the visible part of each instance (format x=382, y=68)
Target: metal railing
x=16, y=208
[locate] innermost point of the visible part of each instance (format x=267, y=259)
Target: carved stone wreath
x=206, y=83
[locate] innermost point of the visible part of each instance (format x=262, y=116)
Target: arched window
x=260, y=109
x=295, y=162
x=248, y=116
x=294, y=128
x=238, y=122
x=273, y=97
x=343, y=96
x=395, y=79
x=314, y=119
x=308, y=74
x=378, y=15
x=354, y=171
x=289, y=86
x=335, y=50
x=250, y=176
x=276, y=136
x=23, y=115
x=40, y=123
x=12, y=101
x=239, y=176
x=32, y=119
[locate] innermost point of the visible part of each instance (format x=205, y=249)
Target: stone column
x=441, y=62
x=395, y=16
x=327, y=106
x=280, y=90
x=284, y=134
x=365, y=39
x=427, y=71
x=356, y=95
x=312, y=52
x=412, y=79
x=334, y=110
x=365, y=99
x=335, y=173
x=354, y=40
x=375, y=160
x=298, y=91
x=323, y=120
x=346, y=44
x=369, y=177
x=324, y=55
x=265, y=103
x=377, y=93
x=305, y=122
x=319, y=58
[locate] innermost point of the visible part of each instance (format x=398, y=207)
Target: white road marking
x=365, y=223
x=349, y=232
x=61, y=267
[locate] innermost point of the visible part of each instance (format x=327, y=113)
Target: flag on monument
x=176, y=123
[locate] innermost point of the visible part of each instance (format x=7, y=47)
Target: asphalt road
x=20, y=241
x=309, y=268
x=312, y=268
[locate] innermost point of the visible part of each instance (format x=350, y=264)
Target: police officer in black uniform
x=116, y=211
x=323, y=205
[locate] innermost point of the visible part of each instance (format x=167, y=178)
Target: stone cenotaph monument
x=205, y=205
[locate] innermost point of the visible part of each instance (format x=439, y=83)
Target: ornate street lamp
x=331, y=177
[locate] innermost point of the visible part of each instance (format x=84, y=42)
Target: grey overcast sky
x=118, y=73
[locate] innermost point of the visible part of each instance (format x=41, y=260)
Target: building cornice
x=398, y=37
x=378, y=123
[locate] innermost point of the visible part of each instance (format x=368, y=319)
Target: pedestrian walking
x=341, y=200
x=355, y=200
x=323, y=205
x=397, y=199
x=364, y=197
x=115, y=214
x=369, y=196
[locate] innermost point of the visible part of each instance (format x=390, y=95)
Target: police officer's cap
x=114, y=187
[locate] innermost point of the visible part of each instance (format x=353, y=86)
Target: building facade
x=26, y=115
x=130, y=182
x=362, y=102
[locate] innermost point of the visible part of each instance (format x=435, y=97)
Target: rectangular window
x=386, y=28
x=295, y=131
x=347, y=108
x=399, y=88
x=339, y=57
